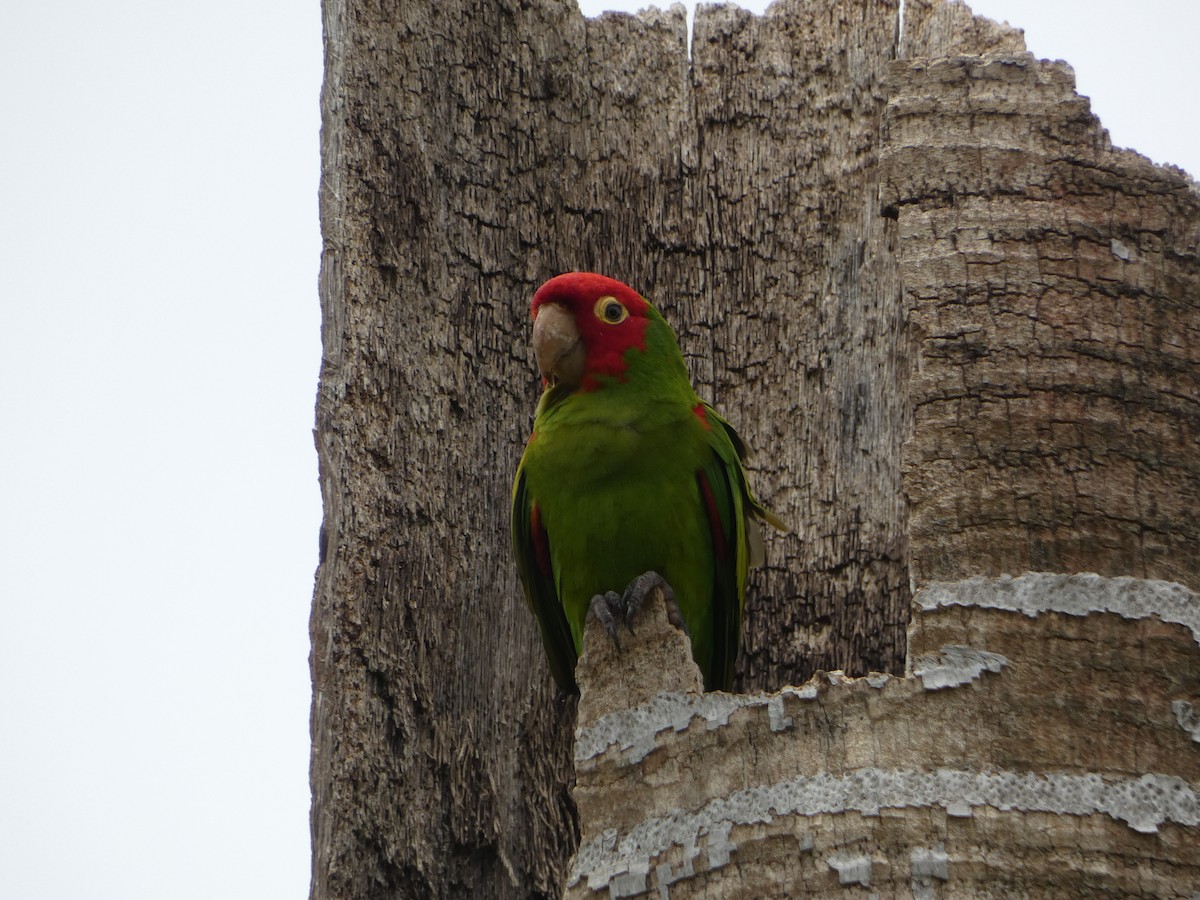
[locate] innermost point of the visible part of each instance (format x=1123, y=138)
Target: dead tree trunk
x=1044, y=741
x=1053, y=285
x=472, y=148
x=800, y=325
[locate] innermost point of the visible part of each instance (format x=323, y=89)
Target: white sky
x=160, y=348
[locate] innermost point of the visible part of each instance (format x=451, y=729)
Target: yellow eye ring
x=610, y=310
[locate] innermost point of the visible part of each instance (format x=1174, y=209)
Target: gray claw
x=639, y=592
x=607, y=608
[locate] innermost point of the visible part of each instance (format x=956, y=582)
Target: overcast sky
x=160, y=329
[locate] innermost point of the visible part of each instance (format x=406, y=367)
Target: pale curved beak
x=556, y=344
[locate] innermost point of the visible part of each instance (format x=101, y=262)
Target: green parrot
x=629, y=482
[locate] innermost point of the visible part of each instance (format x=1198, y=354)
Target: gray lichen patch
x=955, y=665
x=851, y=868
x=620, y=862
x=1187, y=717
x=635, y=730
x=1074, y=595
x=929, y=864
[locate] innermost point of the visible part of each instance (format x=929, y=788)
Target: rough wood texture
x=440, y=758
x=802, y=324
x=1053, y=286
x=470, y=150
x=615, y=679
x=1044, y=744
x=934, y=28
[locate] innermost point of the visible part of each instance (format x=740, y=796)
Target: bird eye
x=610, y=310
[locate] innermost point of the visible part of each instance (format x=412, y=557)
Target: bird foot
x=610, y=608
x=641, y=589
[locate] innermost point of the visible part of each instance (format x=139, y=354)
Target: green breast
x=618, y=497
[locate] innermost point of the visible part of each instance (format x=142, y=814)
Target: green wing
x=737, y=544
x=532, y=549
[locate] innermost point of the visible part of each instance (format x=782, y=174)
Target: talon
x=607, y=607
x=641, y=589
x=674, y=616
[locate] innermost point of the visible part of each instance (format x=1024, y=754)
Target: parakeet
x=628, y=472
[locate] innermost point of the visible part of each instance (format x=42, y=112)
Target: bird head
x=584, y=326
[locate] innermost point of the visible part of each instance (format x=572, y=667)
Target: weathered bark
x=1053, y=286
x=934, y=28
x=1043, y=745
x=440, y=758
x=803, y=335
x=470, y=150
